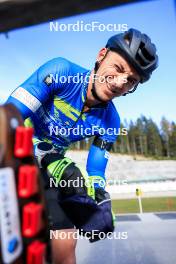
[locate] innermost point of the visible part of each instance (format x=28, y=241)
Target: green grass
x=158, y=204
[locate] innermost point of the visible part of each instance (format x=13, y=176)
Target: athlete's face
x=114, y=76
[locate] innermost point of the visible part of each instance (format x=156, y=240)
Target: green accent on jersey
x=48, y=140
x=36, y=141
x=28, y=123
x=57, y=168
x=88, y=182
x=83, y=98
x=66, y=108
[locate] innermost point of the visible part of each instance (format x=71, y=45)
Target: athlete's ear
x=101, y=54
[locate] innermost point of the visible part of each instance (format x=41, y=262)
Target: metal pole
x=140, y=204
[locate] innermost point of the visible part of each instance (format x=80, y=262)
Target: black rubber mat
x=127, y=218
x=166, y=216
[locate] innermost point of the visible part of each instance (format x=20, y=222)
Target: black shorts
x=56, y=215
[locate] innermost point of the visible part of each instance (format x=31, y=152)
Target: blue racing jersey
x=53, y=97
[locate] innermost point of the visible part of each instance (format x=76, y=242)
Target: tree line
x=144, y=137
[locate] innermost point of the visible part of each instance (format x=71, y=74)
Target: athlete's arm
x=39, y=87
x=99, y=150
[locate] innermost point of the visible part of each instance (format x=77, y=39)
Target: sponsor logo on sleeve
x=26, y=98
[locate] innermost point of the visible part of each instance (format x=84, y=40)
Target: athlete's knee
x=63, y=246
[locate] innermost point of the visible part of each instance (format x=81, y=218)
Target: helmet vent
x=145, y=52
x=127, y=39
x=143, y=56
x=140, y=60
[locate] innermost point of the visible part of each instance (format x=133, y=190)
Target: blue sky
x=28, y=48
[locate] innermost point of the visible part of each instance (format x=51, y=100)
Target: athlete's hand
x=105, y=217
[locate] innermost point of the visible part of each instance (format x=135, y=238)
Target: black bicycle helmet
x=137, y=49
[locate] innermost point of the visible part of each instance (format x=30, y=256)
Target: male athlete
x=54, y=102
